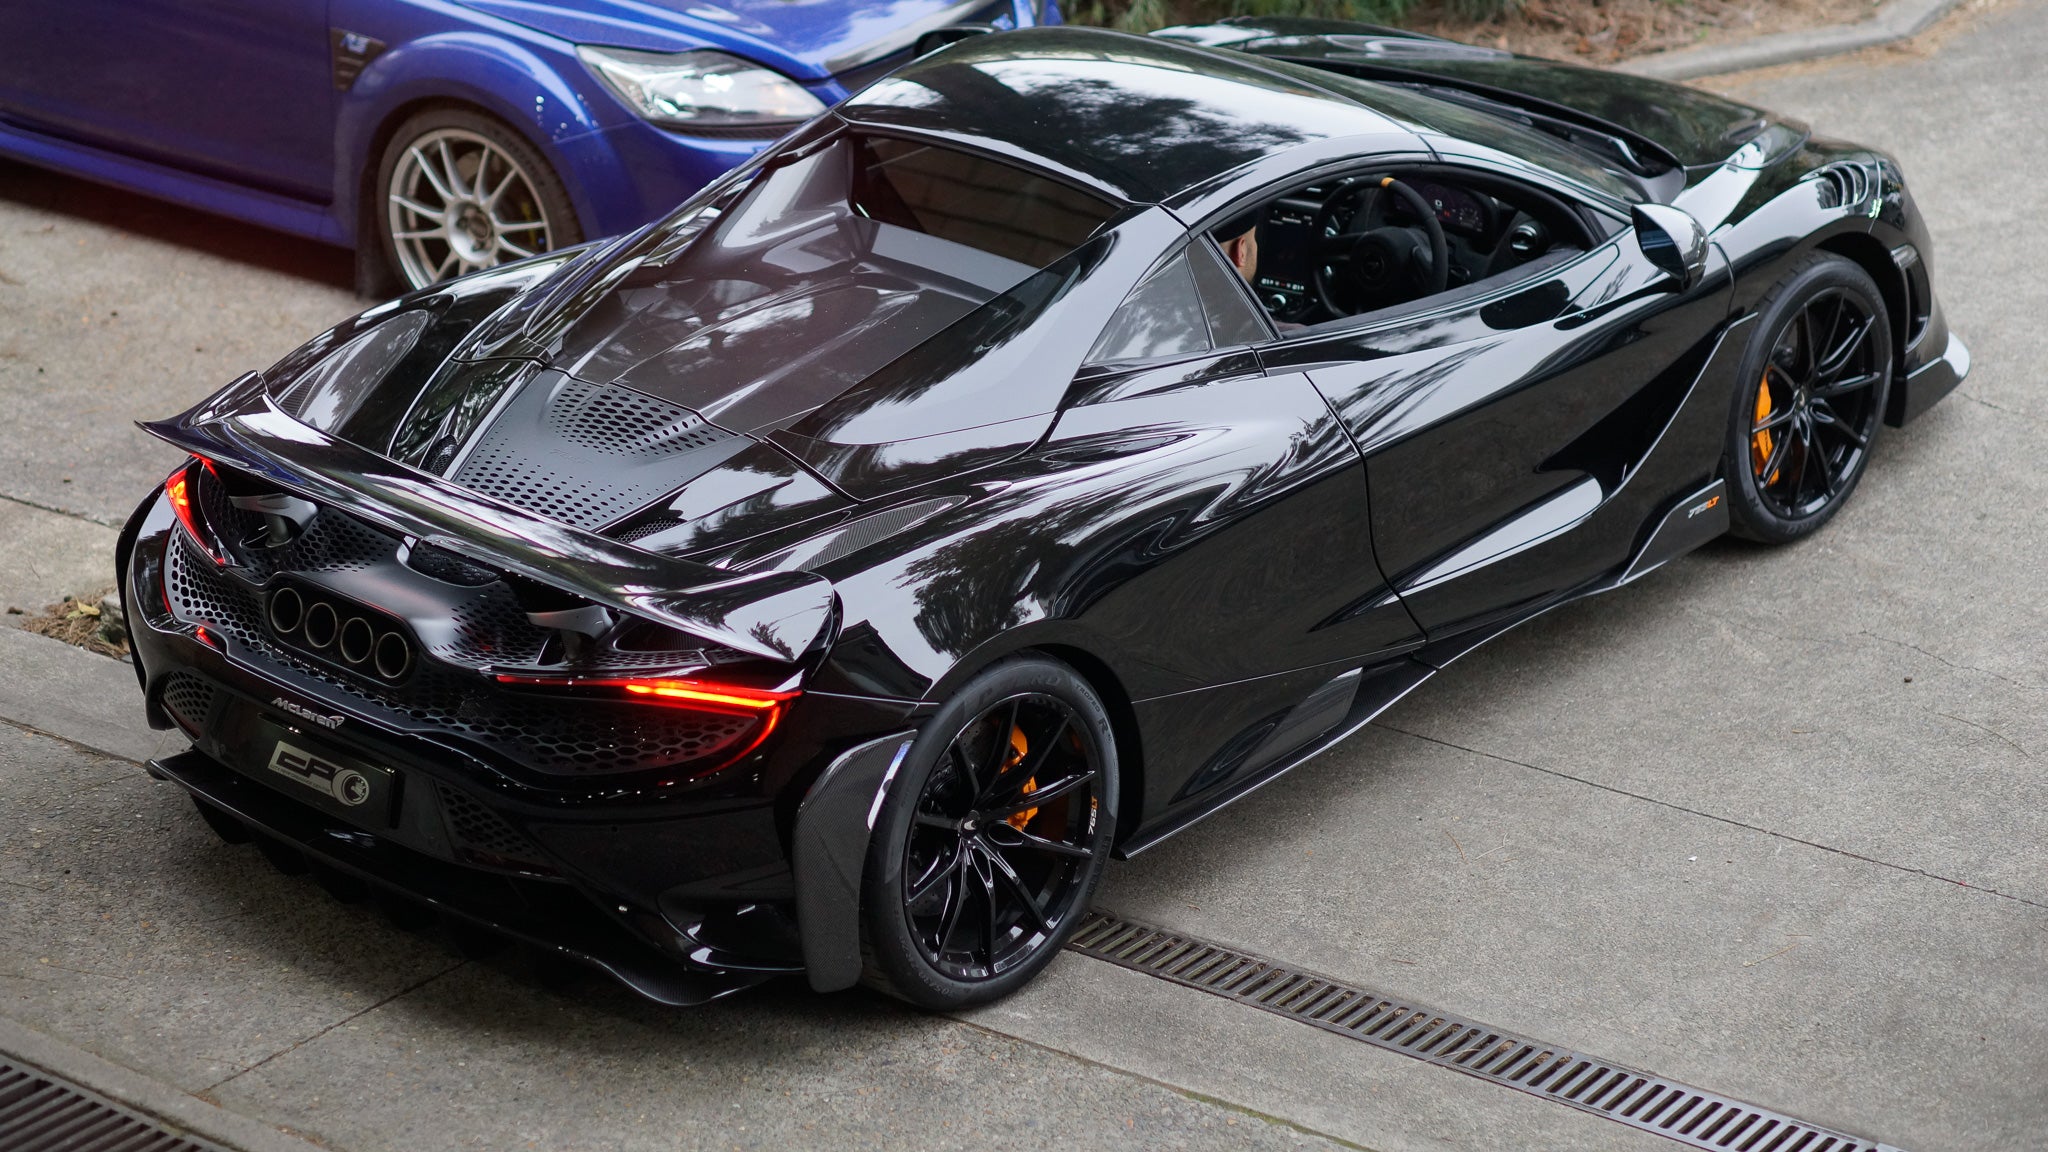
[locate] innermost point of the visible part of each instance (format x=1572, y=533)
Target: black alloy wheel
x=1810, y=401
x=993, y=839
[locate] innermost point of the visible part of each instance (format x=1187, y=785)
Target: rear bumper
x=549, y=914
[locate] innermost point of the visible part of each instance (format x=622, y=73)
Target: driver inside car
x=1239, y=239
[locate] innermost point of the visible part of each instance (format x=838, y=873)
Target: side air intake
x=1846, y=183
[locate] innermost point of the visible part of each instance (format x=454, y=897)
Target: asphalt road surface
x=1770, y=822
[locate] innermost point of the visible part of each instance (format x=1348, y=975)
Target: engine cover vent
x=588, y=454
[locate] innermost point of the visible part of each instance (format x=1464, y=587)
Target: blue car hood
x=808, y=39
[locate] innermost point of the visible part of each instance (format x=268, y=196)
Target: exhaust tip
x=393, y=656
x=321, y=625
x=357, y=640
x=287, y=610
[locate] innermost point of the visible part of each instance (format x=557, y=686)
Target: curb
x=75, y=695
x=177, y=1110
x=1897, y=20
x=91, y=701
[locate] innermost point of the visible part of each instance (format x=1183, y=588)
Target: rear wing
x=772, y=615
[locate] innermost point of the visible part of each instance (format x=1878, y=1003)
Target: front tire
x=992, y=840
x=1809, y=402
x=459, y=192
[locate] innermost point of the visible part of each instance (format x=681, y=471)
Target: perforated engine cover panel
x=588, y=454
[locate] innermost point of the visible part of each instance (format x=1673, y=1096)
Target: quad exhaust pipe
x=341, y=633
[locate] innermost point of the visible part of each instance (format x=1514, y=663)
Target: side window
x=1162, y=316
x=1233, y=319
x=1395, y=239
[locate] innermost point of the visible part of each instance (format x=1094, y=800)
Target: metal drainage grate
x=39, y=1114
x=1652, y=1103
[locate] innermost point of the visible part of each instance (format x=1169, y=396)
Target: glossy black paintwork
x=1140, y=117
x=1696, y=127
x=772, y=615
x=1247, y=550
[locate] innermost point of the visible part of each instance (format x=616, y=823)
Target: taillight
x=701, y=693
x=178, y=489
x=765, y=705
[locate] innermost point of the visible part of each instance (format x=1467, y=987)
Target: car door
x=1496, y=423
x=1238, y=587
x=1263, y=456
x=239, y=89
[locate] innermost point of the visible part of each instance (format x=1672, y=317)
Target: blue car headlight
x=702, y=90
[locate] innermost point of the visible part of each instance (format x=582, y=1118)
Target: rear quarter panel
x=1176, y=541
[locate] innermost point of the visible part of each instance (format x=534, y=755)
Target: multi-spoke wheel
x=1810, y=401
x=993, y=837
x=462, y=192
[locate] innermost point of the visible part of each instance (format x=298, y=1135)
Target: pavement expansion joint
x=57, y=511
x=42, y=1113
x=1656, y=1104
x=207, y=1093
x=1731, y=821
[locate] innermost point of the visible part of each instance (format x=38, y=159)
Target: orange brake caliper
x=1760, y=444
x=1018, y=747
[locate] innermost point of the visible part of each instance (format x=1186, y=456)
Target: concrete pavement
x=1769, y=821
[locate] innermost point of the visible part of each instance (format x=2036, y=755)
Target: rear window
x=986, y=204
x=777, y=295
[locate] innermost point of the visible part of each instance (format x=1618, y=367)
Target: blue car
x=437, y=137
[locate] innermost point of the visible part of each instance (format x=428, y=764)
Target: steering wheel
x=1378, y=266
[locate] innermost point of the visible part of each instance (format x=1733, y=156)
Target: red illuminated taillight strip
x=682, y=692
x=766, y=704
x=178, y=490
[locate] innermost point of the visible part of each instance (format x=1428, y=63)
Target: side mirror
x=1673, y=241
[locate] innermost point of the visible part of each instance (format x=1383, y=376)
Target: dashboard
x=1484, y=235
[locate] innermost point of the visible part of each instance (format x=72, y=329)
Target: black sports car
x=1046, y=447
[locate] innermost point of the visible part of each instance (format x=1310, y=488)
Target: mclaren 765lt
x=1050, y=444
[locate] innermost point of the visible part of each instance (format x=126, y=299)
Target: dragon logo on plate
x=351, y=787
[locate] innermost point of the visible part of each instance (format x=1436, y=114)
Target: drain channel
x=1691, y=1116
x=41, y=1114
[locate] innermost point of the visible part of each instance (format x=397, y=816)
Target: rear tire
x=458, y=191
x=970, y=888
x=1809, y=401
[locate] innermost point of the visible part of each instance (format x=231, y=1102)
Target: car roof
x=1142, y=118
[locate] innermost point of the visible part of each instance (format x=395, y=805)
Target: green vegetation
x=1145, y=15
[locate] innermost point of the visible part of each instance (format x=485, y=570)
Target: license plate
x=361, y=790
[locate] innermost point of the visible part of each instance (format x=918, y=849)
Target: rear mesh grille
x=188, y=699
x=478, y=831
x=1639, y=1099
x=558, y=735
x=40, y=1114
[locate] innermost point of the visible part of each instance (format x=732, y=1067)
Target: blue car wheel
x=460, y=192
